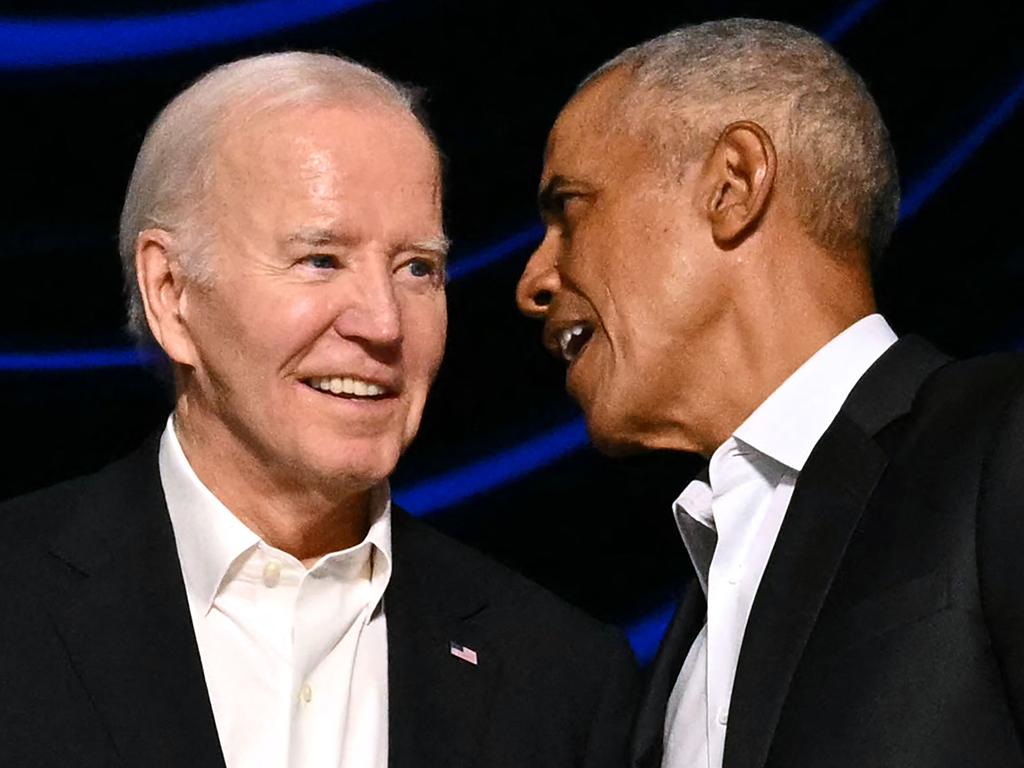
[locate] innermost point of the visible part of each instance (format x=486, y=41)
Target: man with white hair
x=241, y=590
x=713, y=200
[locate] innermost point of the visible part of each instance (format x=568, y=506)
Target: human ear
x=739, y=176
x=162, y=285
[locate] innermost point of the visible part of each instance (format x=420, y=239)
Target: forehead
x=298, y=144
x=590, y=138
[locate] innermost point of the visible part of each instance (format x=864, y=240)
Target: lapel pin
x=468, y=655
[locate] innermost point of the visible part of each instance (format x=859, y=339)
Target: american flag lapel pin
x=468, y=655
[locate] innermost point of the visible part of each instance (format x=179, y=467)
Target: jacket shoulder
x=35, y=514
x=984, y=381
x=39, y=515
x=527, y=609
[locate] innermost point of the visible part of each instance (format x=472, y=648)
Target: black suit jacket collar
x=830, y=496
x=438, y=703
x=118, y=601
x=114, y=589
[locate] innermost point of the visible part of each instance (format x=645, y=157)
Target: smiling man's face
x=314, y=347
x=627, y=277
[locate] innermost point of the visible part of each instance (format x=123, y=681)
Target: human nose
x=539, y=282
x=372, y=312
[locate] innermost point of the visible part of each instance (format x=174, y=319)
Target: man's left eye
x=421, y=268
x=322, y=261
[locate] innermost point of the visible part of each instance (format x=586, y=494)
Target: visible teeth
x=346, y=385
x=565, y=338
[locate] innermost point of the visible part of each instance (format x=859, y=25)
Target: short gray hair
x=173, y=169
x=833, y=147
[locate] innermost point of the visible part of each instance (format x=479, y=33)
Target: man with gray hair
x=713, y=201
x=241, y=591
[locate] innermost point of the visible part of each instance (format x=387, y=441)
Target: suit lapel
x=830, y=497
x=822, y=514
x=117, y=599
x=437, y=703
x=648, y=733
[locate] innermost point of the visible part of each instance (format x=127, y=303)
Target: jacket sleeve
x=608, y=742
x=1001, y=550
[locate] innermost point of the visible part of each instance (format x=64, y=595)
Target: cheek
x=278, y=325
x=304, y=316
x=426, y=325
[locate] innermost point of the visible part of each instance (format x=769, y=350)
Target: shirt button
x=723, y=716
x=306, y=694
x=271, y=574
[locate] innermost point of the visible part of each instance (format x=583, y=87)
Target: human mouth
x=348, y=387
x=572, y=340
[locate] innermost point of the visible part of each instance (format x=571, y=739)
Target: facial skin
x=700, y=290
x=328, y=262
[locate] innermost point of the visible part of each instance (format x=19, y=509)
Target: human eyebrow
x=437, y=246
x=555, y=191
x=318, y=237
x=547, y=196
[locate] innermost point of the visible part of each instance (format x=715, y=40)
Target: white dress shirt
x=295, y=660
x=743, y=498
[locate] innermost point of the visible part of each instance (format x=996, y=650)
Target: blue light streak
x=484, y=475
x=485, y=257
x=645, y=635
x=847, y=20
x=918, y=193
x=74, y=360
x=27, y=44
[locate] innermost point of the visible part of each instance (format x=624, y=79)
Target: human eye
x=423, y=269
x=321, y=261
x=562, y=202
x=552, y=205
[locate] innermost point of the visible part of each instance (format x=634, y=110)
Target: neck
x=303, y=517
x=783, y=318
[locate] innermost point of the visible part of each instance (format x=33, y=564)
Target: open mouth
x=573, y=339
x=348, y=387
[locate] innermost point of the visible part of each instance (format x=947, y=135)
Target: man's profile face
x=629, y=274
x=324, y=325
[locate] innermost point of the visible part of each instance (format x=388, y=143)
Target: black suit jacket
x=888, y=629
x=99, y=664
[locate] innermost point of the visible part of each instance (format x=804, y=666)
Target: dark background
x=948, y=77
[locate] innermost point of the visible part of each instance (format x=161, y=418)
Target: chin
x=612, y=439
x=358, y=467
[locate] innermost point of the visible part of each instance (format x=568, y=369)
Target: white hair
x=174, y=166
x=834, y=148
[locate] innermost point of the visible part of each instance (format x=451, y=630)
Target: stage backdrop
x=501, y=461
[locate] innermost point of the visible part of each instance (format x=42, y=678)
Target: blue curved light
x=847, y=20
x=48, y=43
x=917, y=194
x=122, y=357
x=509, y=246
x=484, y=475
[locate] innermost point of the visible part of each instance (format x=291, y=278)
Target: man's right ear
x=162, y=285
x=738, y=178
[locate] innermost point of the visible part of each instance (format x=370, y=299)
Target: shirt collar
x=789, y=423
x=210, y=538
